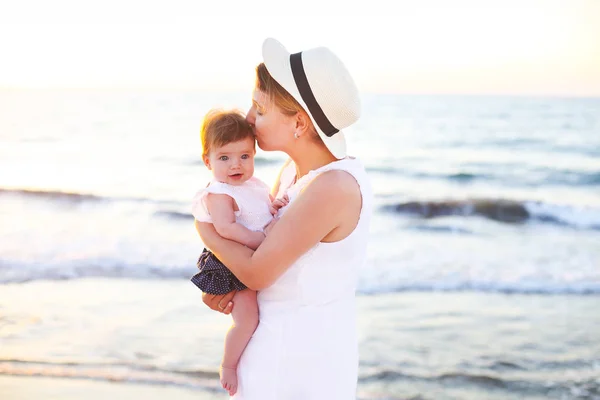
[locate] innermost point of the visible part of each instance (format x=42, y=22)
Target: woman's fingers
x=209, y=300
x=228, y=308
x=225, y=304
x=219, y=302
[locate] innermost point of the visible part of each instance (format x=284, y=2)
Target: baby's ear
x=206, y=162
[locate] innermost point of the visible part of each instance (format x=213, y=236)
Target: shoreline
x=37, y=387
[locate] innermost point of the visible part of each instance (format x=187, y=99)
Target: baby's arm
x=221, y=210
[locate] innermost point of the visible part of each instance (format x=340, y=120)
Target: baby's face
x=232, y=163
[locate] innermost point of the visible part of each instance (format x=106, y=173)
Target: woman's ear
x=303, y=123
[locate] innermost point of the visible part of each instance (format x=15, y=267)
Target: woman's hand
x=219, y=302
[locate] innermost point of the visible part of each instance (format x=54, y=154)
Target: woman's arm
x=327, y=203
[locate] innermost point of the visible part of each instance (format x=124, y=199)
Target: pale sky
x=523, y=47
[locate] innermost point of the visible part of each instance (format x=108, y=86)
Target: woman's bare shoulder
x=335, y=182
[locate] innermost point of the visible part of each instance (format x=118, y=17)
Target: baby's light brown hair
x=221, y=127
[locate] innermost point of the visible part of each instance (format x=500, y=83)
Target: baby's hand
x=279, y=203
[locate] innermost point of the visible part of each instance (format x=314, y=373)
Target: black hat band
x=309, y=98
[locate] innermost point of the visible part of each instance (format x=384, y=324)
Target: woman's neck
x=310, y=159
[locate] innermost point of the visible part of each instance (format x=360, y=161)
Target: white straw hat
x=320, y=82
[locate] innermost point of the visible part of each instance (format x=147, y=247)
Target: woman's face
x=273, y=129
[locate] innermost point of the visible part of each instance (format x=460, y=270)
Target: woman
x=305, y=346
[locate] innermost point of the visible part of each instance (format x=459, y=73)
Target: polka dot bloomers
x=214, y=277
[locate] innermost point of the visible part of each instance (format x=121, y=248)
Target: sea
x=483, y=273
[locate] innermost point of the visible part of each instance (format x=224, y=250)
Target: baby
x=239, y=206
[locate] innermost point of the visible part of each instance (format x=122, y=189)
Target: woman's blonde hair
x=280, y=97
x=221, y=127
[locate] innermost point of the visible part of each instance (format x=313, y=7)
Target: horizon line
x=240, y=91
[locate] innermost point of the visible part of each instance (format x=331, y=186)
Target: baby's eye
x=245, y=156
x=223, y=158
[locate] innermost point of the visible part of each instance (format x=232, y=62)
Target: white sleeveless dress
x=305, y=346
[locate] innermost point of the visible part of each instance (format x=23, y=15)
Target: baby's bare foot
x=228, y=379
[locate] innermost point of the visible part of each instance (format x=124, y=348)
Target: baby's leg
x=245, y=321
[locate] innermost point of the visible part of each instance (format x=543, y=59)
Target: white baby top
x=252, y=198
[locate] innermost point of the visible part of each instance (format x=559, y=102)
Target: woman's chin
x=263, y=146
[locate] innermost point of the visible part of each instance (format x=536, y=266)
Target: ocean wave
x=440, y=229
x=52, y=195
x=588, y=151
x=458, y=176
x=394, y=375
x=568, y=177
x=113, y=372
x=579, y=217
x=21, y=272
x=524, y=144
x=13, y=272
x=208, y=380
x=508, y=211
x=592, y=178
x=176, y=215
x=513, y=175
x=539, y=288
x=578, y=388
x=74, y=197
